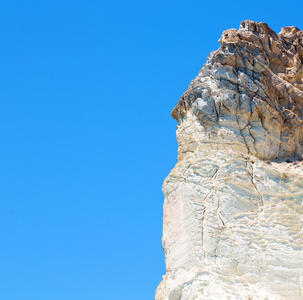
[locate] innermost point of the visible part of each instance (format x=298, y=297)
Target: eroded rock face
x=233, y=214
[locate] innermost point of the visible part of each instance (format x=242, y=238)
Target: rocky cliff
x=233, y=214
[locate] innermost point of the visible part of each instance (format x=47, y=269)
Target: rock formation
x=233, y=214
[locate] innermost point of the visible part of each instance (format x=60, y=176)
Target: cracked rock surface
x=233, y=214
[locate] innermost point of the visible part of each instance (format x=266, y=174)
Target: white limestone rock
x=233, y=213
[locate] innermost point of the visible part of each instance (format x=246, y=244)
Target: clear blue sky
x=87, y=139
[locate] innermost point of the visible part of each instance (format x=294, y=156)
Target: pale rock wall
x=233, y=213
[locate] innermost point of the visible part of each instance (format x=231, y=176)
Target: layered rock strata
x=233, y=214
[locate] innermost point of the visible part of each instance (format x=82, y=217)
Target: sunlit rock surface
x=233, y=214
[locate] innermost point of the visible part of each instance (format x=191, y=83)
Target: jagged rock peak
x=233, y=212
x=255, y=80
